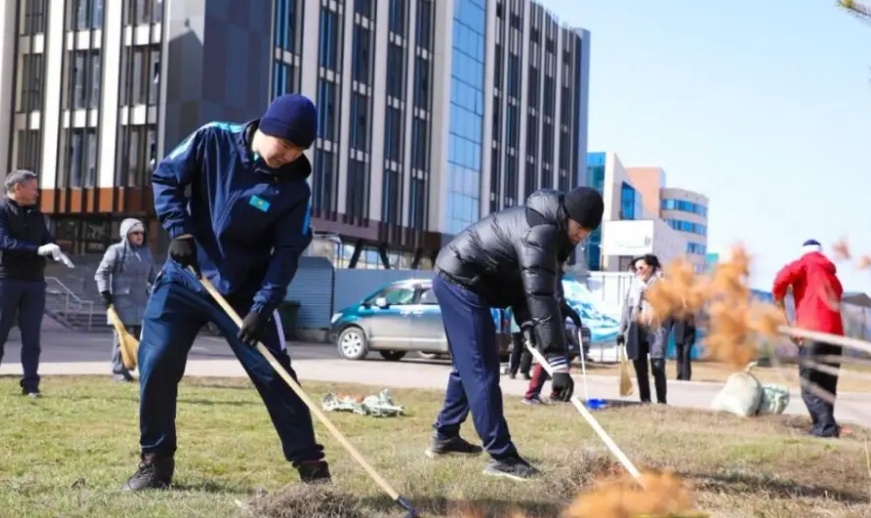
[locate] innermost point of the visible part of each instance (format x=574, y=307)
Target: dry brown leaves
x=841, y=252
x=662, y=494
x=734, y=319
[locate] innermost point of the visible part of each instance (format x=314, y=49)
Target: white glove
x=50, y=249
x=62, y=258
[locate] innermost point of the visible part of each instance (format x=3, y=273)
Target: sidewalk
x=851, y=407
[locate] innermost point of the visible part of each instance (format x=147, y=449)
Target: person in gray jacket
x=642, y=336
x=124, y=279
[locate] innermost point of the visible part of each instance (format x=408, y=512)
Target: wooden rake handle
x=594, y=424
x=305, y=397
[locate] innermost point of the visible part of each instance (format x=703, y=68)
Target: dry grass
x=67, y=454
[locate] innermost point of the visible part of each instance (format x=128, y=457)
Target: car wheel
x=392, y=356
x=352, y=344
x=431, y=356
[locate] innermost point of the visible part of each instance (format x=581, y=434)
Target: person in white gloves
x=25, y=243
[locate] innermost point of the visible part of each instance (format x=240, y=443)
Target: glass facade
x=466, y=115
x=696, y=248
x=687, y=226
x=596, y=180
x=683, y=206
x=631, y=203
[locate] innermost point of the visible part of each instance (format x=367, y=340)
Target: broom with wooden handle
x=127, y=343
x=374, y=475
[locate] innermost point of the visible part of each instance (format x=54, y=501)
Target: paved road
x=67, y=353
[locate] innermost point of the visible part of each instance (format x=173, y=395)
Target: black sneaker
x=453, y=446
x=314, y=472
x=514, y=468
x=153, y=473
x=31, y=393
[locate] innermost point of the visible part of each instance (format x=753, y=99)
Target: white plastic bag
x=774, y=400
x=741, y=396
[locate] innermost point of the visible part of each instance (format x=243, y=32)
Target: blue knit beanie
x=291, y=117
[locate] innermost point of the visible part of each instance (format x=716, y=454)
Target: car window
x=427, y=296
x=398, y=296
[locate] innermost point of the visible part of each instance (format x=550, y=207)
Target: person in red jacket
x=816, y=292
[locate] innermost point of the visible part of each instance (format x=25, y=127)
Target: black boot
x=314, y=472
x=154, y=473
x=453, y=446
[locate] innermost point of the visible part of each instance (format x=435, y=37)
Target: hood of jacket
x=817, y=259
x=130, y=225
x=548, y=204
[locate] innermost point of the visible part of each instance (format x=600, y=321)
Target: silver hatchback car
x=399, y=318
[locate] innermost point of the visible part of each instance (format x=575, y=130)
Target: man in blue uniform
x=243, y=227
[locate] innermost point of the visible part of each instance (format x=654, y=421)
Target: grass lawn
x=857, y=378
x=67, y=454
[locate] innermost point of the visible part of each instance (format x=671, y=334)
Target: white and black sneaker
x=514, y=468
x=453, y=446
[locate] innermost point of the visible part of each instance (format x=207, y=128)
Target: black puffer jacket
x=512, y=258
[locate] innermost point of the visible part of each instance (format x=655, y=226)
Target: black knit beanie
x=585, y=206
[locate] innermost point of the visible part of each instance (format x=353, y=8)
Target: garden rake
x=378, y=479
x=582, y=409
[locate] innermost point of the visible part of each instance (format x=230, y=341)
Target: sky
x=765, y=107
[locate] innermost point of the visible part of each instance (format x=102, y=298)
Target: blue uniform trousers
x=178, y=307
x=474, y=380
x=23, y=302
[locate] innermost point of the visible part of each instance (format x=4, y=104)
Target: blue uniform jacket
x=250, y=222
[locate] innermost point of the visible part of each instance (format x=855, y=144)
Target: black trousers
x=682, y=355
x=657, y=365
x=821, y=409
x=520, y=359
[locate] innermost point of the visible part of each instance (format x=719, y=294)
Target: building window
x=82, y=158
x=393, y=141
x=513, y=76
x=421, y=83
x=85, y=79
x=358, y=189
x=631, y=203
x=497, y=70
x=362, y=54
x=392, y=196
x=593, y=250
x=684, y=206
x=696, y=248
x=532, y=137
x=360, y=122
x=285, y=25
x=688, y=226
x=142, y=76
x=330, y=40
x=327, y=110
x=397, y=17
x=85, y=15
x=31, y=83
x=363, y=8
x=324, y=177
x=283, y=78
x=512, y=126
x=529, y=180
x=28, y=150
x=547, y=143
x=419, y=143
x=565, y=150
x=143, y=12
x=424, y=24
x=34, y=17
x=549, y=95
x=396, y=66
x=138, y=155
x=418, y=203
x=532, y=87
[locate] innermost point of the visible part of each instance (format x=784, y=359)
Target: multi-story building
x=431, y=113
x=632, y=225
x=685, y=211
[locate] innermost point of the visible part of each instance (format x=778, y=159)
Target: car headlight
x=336, y=316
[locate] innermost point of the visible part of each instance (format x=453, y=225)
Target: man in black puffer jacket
x=510, y=258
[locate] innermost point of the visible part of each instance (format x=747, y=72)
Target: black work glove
x=183, y=250
x=251, y=331
x=562, y=386
x=621, y=340
x=107, y=298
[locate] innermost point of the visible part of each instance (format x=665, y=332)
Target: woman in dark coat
x=641, y=335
